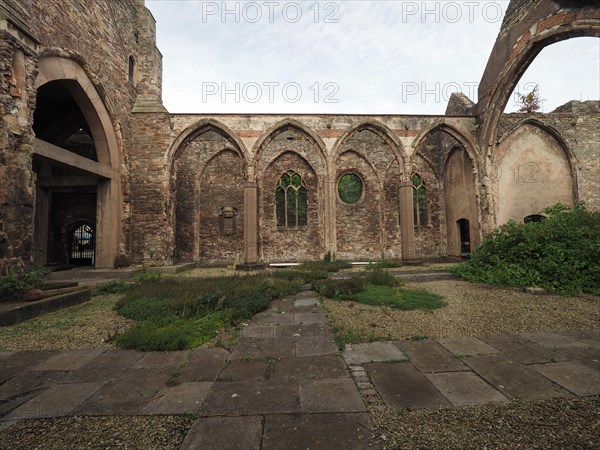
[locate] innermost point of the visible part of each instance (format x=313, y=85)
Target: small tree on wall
x=531, y=102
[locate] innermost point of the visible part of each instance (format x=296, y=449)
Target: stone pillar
x=250, y=228
x=41, y=217
x=407, y=224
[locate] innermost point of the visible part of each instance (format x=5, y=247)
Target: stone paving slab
x=306, y=301
x=260, y=331
x=373, y=352
x=588, y=356
x=108, y=365
x=180, y=399
x=170, y=360
x=127, y=394
x=273, y=317
x=310, y=317
x=318, y=432
x=522, y=349
x=69, y=360
x=468, y=346
x=56, y=401
x=203, y=364
x=250, y=398
x=225, y=433
x=244, y=371
x=588, y=337
x=429, y=356
x=465, y=388
x=13, y=363
x=263, y=348
x=312, y=367
x=513, y=379
x=325, y=396
x=30, y=381
x=572, y=375
x=552, y=340
x=313, y=340
x=401, y=385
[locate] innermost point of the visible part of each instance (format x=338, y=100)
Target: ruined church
x=93, y=167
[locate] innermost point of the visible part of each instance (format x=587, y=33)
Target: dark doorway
x=533, y=218
x=465, y=237
x=82, y=246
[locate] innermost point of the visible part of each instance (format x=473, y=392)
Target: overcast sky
x=371, y=57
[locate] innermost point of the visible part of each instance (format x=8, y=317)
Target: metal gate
x=83, y=246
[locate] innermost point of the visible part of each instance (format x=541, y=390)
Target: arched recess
x=296, y=240
x=208, y=175
x=359, y=226
x=429, y=234
x=290, y=146
x=543, y=26
x=452, y=155
x=76, y=153
x=461, y=202
x=383, y=152
x=533, y=169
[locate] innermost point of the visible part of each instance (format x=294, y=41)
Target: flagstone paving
x=286, y=385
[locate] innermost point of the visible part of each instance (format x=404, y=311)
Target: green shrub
x=385, y=264
x=324, y=265
x=560, y=254
x=121, y=261
x=341, y=289
x=149, y=276
x=381, y=277
x=13, y=285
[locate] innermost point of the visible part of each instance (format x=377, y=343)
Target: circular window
x=350, y=188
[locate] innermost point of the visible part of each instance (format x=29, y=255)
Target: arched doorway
x=82, y=244
x=76, y=164
x=464, y=234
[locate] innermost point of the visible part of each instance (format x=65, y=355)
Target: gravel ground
x=472, y=310
x=551, y=424
x=152, y=432
x=85, y=326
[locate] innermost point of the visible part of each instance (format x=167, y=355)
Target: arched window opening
x=82, y=246
x=131, y=70
x=291, y=200
x=534, y=218
x=419, y=200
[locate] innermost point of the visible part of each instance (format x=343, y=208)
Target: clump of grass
x=396, y=298
x=325, y=265
x=344, y=289
x=381, y=277
x=379, y=288
x=391, y=263
x=112, y=287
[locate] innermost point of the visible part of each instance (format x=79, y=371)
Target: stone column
x=250, y=227
x=407, y=224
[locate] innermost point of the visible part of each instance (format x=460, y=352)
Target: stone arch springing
x=544, y=25
x=380, y=130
